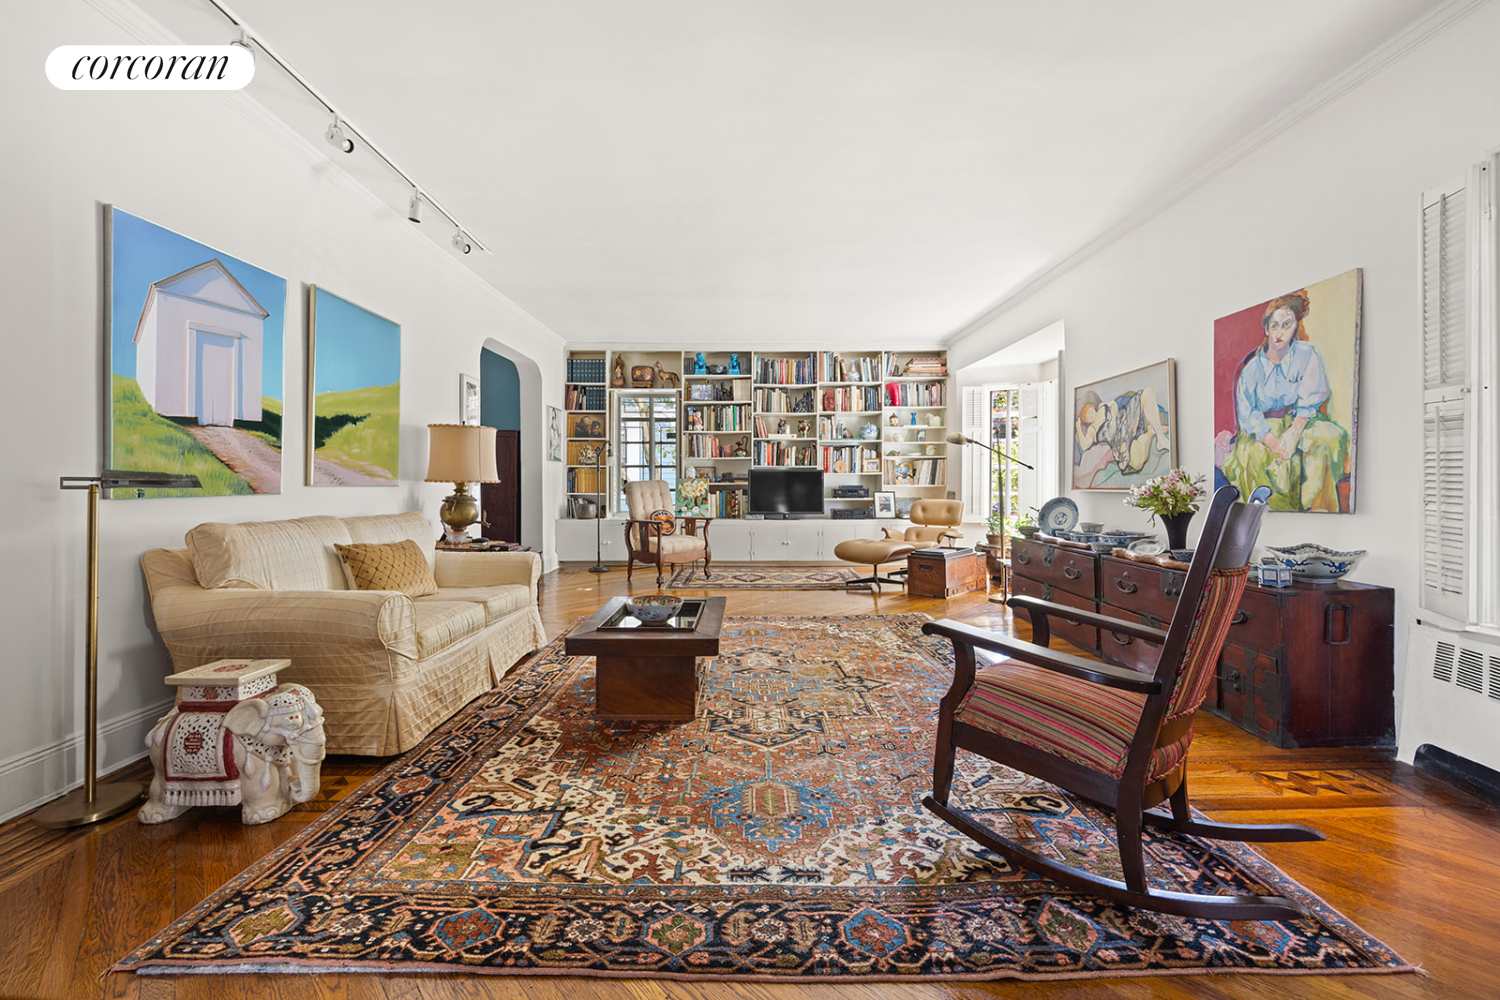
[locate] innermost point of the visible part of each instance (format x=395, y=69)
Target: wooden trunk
x=944, y=572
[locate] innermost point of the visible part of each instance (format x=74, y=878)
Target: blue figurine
x=734, y=364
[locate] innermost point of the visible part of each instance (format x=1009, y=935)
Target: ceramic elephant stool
x=235, y=745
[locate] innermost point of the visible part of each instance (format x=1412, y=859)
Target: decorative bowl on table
x=1183, y=555
x=1027, y=530
x=1058, y=514
x=1103, y=548
x=653, y=609
x=1315, y=563
x=1092, y=527
x=1148, y=546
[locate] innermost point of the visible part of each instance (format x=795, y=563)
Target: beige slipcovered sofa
x=386, y=668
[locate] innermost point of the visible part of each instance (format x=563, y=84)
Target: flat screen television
x=786, y=491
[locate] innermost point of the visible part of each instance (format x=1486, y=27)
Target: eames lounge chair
x=1111, y=735
x=933, y=523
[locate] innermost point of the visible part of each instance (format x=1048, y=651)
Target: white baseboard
x=34, y=777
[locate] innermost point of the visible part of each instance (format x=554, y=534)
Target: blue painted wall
x=499, y=392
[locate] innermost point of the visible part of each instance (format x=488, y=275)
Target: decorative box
x=1275, y=576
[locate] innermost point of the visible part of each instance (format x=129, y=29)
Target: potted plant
x=1173, y=497
x=1026, y=525
x=994, y=526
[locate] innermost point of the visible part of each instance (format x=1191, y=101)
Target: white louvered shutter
x=976, y=459
x=1447, y=405
x=1030, y=430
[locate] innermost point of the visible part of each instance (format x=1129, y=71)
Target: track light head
x=414, y=210
x=338, y=138
x=461, y=242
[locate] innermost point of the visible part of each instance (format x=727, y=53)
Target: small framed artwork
x=468, y=400
x=554, y=434
x=885, y=503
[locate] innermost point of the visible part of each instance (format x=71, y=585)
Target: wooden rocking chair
x=1114, y=736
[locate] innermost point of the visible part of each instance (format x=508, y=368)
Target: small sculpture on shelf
x=742, y=448
x=642, y=376
x=782, y=427
x=617, y=373
x=734, y=364
x=666, y=379
x=700, y=367
x=804, y=429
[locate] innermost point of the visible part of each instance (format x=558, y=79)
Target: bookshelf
x=867, y=418
x=585, y=397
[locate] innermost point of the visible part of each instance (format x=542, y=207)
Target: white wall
x=209, y=167
x=1336, y=191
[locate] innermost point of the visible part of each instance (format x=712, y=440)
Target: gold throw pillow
x=397, y=566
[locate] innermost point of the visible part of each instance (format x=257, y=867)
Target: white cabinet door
x=577, y=541
x=729, y=540
x=786, y=541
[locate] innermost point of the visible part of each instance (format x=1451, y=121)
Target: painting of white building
x=198, y=347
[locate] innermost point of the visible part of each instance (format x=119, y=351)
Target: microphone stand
x=604, y=449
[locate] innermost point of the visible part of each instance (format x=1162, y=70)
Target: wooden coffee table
x=647, y=674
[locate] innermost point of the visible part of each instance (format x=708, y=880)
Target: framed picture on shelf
x=554, y=434
x=468, y=400
x=702, y=472
x=885, y=503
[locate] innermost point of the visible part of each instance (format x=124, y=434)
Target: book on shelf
x=916, y=394
x=925, y=366
x=916, y=471
x=584, y=397
x=837, y=368
x=786, y=371
x=586, y=370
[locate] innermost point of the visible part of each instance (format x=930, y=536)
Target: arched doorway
x=510, y=400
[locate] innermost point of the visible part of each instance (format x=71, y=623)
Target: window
x=646, y=442
x=1016, y=420
x=1459, y=487
x=1005, y=438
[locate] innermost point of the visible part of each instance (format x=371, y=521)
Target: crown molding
x=1415, y=34
x=146, y=29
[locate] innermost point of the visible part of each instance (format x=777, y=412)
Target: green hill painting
x=354, y=376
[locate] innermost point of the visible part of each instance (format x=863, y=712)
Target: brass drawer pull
x=1126, y=588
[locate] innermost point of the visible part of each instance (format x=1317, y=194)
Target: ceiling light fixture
x=341, y=134
x=414, y=210
x=338, y=138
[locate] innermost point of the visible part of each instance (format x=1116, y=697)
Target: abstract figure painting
x=194, y=346
x=1125, y=428
x=1286, y=396
x=554, y=434
x=353, y=394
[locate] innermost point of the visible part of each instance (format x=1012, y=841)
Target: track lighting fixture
x=461, y=242
x=338, y=138
x=414, y=210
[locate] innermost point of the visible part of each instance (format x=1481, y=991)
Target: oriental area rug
x=765, y=578
x=778, y=837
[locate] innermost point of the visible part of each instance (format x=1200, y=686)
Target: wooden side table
x=944, y=573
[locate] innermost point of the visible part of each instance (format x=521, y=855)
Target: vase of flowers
x=1173, y=497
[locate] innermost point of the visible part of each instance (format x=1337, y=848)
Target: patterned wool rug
x=766, y=578
x=777, y=837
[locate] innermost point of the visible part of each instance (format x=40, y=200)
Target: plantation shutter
x=1030, y=421
x=976, y=424
x=1447, y=404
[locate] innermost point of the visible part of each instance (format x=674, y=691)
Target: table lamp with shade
x=94, y=802
x=460, y=454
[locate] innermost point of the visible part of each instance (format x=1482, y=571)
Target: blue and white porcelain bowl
x=1314, y=563
x=653, y=610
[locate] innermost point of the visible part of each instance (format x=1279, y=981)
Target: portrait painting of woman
x=1284, y=396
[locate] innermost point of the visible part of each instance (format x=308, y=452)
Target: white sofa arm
x=487, y=569
x=300, y=624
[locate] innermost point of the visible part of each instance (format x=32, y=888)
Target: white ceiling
x=781, y=171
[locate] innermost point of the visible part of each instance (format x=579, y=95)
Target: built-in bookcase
x=872, y=419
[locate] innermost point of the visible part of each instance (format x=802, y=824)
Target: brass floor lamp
x=93, y=801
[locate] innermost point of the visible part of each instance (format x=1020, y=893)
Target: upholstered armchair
x=932, y=522
x=653, y=534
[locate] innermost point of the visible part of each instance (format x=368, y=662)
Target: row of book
x=784, y=454
x=850, y=458
x=916, y=472
x=783, y=401
x=708, y=446
x=787, y=371
x=583, y=480
x=717, y=418
x=837, y=368
x=583, y=397
x=586, y=370
x=928, y=365
x=851, y=398
x=916, y=394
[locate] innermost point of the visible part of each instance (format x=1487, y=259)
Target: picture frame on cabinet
x=885, y=503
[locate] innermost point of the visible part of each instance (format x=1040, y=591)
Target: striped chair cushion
x=1086, y=723
x=1210, y=627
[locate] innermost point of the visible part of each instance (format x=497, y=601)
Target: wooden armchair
x=662, y=540
x=1114, y=736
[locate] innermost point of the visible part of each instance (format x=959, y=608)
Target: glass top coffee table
x=643, y=673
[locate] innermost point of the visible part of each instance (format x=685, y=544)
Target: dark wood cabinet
x=944, y=572
x=1305, y=665
x=501, y=502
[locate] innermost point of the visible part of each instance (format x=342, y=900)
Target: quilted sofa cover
x=386, y=668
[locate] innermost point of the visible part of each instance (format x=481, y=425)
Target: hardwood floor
x=1413, y=860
